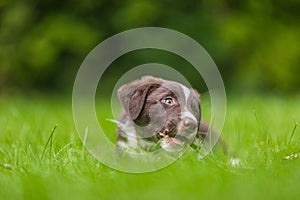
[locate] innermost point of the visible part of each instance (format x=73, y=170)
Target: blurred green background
x=254, y=43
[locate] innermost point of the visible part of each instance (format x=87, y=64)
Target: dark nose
x=189, y=123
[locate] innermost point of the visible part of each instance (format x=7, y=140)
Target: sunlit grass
x=41, y=161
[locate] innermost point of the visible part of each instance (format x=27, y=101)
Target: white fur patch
x=186, y=92
x=185, y=112
x=188, y=114
x=122, y=145
x=130, y=133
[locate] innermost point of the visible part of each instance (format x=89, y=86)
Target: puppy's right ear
x=133, y=97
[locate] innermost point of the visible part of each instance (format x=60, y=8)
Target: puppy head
x=162, y=109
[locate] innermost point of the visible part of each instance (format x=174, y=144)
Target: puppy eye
x=168, y=101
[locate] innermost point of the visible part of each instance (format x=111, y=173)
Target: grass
x=41, y=156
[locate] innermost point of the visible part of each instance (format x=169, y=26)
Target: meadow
x=42, y=157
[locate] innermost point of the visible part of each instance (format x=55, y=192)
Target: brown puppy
x=159, y=112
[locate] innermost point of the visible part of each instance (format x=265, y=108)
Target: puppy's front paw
x=171, y=144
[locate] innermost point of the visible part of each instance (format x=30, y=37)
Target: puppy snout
x=189, y=123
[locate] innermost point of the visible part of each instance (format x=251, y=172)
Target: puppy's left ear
x=133, y=95
x=138, y=99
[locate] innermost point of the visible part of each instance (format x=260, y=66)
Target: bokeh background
x=254, y=43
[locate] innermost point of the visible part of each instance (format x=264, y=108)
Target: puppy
x=160, y=113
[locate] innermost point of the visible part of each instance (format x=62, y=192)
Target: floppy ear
x=138, y=99
x=133, y=96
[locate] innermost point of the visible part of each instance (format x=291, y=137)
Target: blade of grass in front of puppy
x=156, y=145
x=293, y=133
x=49, y=141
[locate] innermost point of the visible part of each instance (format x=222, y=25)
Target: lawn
x=261, y=130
